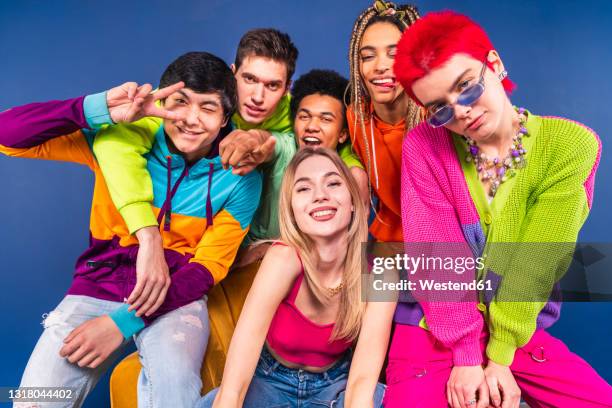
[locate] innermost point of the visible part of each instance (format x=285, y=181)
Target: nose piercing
x=503, y=75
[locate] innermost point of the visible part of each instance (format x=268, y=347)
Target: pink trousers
x=548, y=374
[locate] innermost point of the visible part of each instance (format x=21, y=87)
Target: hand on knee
x=90, y=344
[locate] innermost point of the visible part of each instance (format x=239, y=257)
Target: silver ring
x=472, y=401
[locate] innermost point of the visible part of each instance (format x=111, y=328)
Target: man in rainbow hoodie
x=263, y=67
x=264, y=63
x=205, y=212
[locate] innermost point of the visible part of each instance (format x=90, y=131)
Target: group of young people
x=225, y=168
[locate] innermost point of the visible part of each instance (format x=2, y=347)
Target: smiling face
x=376, y=56
x=261, y=83
x=320, y=201
x=203, y=118
x=319, y=122
x=485, y=117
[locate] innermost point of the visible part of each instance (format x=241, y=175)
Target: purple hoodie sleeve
x=189, y=283
x=35, y=123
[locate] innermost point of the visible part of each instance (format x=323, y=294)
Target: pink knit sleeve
x=430, y=215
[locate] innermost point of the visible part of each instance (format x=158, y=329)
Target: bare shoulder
x=281, y=262
x=284, y=257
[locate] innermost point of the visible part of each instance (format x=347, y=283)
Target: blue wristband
x=127, y=322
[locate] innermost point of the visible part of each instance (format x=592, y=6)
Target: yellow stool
x=225, y=302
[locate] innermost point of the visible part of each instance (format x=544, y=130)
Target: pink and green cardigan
x=546, y=202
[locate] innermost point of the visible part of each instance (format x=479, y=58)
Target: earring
x=503, y=75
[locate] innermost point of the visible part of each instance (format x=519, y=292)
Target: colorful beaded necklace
x=497, y=170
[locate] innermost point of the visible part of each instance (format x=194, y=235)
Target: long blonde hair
x=351, y=309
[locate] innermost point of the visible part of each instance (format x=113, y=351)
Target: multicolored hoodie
x=120, y=157
x=205, y=210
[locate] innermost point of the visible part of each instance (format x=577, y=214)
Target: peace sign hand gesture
x=129, y=102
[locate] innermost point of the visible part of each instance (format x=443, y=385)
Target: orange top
x=385, y=147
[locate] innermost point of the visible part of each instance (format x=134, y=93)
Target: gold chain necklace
x=334, y=291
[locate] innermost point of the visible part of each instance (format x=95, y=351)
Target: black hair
x=203, y=72
x=322, y=82
x=268, y=43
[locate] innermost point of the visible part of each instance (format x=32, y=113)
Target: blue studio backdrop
x=557, y=52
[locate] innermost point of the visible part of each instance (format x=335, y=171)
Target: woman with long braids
x=292, y=344
x=486, y=173
x=380, y=112
x=378, y=117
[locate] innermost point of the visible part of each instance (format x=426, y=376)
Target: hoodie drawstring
x=168, y=201
x=209, y=212
x=166, y=210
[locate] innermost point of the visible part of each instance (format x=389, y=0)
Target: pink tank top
x=299, y=340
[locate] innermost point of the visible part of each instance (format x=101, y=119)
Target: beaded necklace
x=498, y=170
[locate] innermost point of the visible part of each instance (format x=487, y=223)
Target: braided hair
x=402, y=16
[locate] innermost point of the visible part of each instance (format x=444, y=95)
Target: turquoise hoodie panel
x=192, y=192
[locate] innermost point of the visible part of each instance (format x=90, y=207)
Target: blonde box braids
x=404, y=16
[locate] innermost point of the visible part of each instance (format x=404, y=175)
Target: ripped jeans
x=171, y=351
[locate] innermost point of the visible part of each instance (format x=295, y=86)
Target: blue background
x=557, y=52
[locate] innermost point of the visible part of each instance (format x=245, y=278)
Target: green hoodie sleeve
x=348, y=156
x=120, y=151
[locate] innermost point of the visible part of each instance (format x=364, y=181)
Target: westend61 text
x=432, y=285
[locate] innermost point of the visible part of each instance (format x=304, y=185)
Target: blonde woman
x=292, y=344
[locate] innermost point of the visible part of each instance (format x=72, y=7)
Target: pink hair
x=432, y=40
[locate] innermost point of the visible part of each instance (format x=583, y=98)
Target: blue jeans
x=276, y=386
x=171, y=351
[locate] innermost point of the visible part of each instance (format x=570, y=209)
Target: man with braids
x=380, y=112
